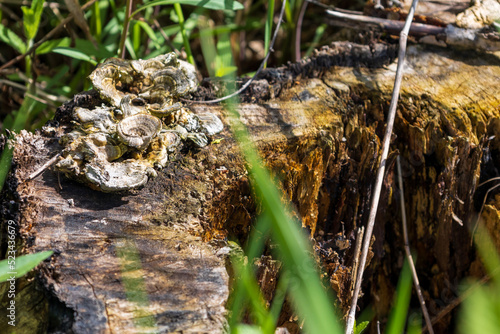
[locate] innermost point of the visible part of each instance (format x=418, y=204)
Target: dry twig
x=43, y=167
x=381, y=170
x=463, y=296
x=475, y=39
x=408, y=253
x=298, y=30
x=482, y=205
x=245, y=86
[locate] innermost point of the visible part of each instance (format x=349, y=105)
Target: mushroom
x=111, y=177
x=137, y=130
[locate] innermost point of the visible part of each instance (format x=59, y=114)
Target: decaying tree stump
x=319, y=125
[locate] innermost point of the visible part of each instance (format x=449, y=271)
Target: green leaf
x=269, y=25
x=75, y=54
x=208, y=4
x=5, y=163
x=10, y=37
x=86, y=47
x=247, y=329
x=48, y=46
x=309, y=297
x=359, y=328
x=147, y=28
x=480, y=312
x=20, y=266
x=31, y=18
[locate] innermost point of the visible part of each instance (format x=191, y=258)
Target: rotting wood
x=318, y=124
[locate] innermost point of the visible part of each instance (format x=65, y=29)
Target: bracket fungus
x=116, y=146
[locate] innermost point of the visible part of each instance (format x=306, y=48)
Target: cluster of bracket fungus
x=118, y=145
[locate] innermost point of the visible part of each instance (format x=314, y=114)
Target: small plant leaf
x=50, y=45
x=247, y=329
x=208, y=4
x=88, y=48
x=20, y=266
x=31, y=18
x=359, y=328
x=75, y=54
x=10, y=37
x=148, y=31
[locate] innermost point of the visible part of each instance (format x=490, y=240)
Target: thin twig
x=126, y=24
x=322, y=5
x=245, y=86
x=166, y=38
x=408, y=253
x=40, y=92
x=482, y=205
x=379, y=24
x=45, y=38
x=357, y=253
x=381, y=170
x=44, y=167
x=475, y=39
x=455, y=302
x=298, y=30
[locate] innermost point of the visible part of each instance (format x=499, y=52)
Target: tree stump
x=318, y=125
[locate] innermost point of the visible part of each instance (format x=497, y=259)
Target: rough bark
x=318, y=125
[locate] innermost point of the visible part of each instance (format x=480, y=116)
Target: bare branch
x=485, y=39
x=381, y=170
x=408, y=253
x=44, y=167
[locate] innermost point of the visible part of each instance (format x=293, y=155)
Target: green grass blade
x=75, y=54
x=269, y=26
x=96, y=21
x=240, y=294
x=397, y=319
x=414, y=324
x=208, y=4
x=311, y=300
x=130, y=48
x=5, y=163
x=359, y=328
x=185, y=40
x=317, y=37
x=480, y=312
x=9, y=37
x=224, y=57
x=135, y=32
x=488, y=252
x=208, y=48
x=86, y=47
x=31, y=18
x=21, y=265
x=20, y=119
x=150, y=32
x=247, y=329
x=50, y=45
x=279, y=297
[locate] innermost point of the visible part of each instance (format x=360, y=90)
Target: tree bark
x=318, y=125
